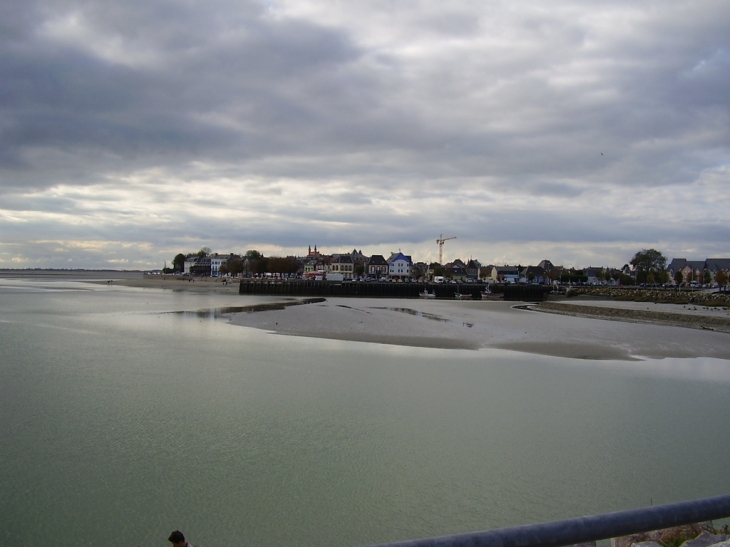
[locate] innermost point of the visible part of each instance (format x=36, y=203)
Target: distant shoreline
x=32, y=270
x=80, y=274
x=178, y=283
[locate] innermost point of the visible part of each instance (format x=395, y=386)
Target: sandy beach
x=576, y=329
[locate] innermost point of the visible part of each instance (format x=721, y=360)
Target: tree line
x=251, y=262
x=650, y=266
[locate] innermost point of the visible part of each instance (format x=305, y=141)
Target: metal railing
x=585, y=529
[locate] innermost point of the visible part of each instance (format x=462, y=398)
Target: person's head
x=177, y=539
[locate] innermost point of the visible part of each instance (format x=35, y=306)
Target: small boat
x=461, y=296
x=489, y=295
x=426, y=294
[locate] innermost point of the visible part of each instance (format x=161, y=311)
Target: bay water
x=127, y=413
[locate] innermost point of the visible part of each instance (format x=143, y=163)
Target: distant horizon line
x=69, y=270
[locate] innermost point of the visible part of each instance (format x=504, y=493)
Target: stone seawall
x=720, y=324
x=529, y=293
x=668, y=295
x=703, y=534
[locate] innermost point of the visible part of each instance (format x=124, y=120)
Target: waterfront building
x=472, y=269
x=216, y=261
x=377, y=267
x=399, y=266
x=342, y=264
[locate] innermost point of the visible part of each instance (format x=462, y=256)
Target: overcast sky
x=576, y=131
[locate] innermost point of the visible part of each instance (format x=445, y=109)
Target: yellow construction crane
x=440, y=242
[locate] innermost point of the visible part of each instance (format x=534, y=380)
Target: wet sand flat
x=474, y=325
x=575, y=329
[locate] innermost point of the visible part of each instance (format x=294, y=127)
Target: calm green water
x=120, y=421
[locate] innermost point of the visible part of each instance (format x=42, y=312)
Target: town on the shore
x=648, y=267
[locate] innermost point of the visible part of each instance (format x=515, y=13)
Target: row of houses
x=705, y=271
x=347, y=266
x=400, y=266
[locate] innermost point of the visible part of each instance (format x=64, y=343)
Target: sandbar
x=590, y=329
x=472, y=325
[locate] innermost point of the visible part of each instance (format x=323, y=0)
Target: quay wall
x=299, y=287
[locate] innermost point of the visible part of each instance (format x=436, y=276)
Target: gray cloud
x=379, y=123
